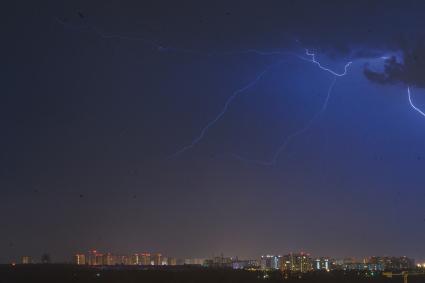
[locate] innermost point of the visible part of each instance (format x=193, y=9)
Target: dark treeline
x=69, y=273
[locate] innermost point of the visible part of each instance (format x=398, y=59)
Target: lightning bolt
x=224, y=110
x=283, y=146
x=292, y=136
x=310, y=123
x=413, y=105
x=311, y=58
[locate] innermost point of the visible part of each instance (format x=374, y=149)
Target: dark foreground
x=69, y=273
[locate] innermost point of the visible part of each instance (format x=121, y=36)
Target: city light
x=293, y=262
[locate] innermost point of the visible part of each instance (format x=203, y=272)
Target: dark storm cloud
x=393, y=72
x=409, y=70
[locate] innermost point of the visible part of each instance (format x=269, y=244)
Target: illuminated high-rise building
x=172, y=261
x=26, y=260
x=270, y=262
x=91, y=259
x=156, y=259
x=80, y=259
x=95, y=258
x=99, y=259
x=135, y=259
x=125, y=260
x=145, y=259
x=322, y=263
x=296, y=263
x=108, y=259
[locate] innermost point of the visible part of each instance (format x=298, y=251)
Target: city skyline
x=98, y=257
x=293, y=263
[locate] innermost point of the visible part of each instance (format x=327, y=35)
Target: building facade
x=299, y=262
x=268, y=262
x=322, y=263
x=26, y=259
x=80, y=259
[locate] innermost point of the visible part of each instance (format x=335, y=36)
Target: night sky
x=98, y=96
